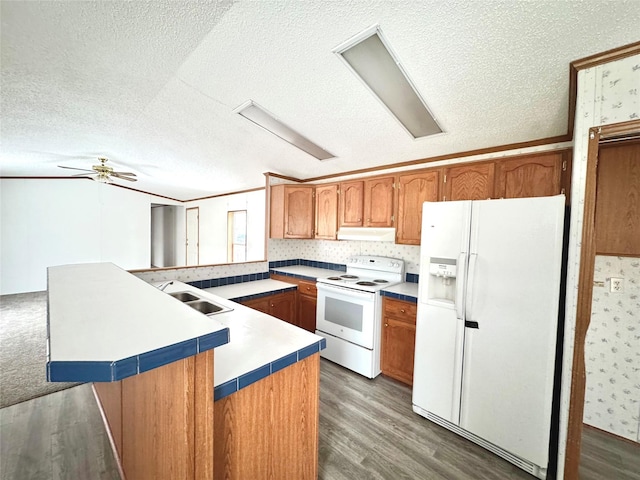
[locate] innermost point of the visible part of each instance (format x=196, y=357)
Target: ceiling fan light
x=102, y=178
x=371, y=59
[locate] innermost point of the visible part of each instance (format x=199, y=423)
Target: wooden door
x=469, y=182
x=378, y=202
x=283, y=306
x=307, y=312
x=530, y=176
x=351, y=204
x=298, y=212
x=326, y=211
x=413, y=190
x=398, y=339
x=261, y=304
x=617, y=221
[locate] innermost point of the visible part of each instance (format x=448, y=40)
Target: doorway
x=600, y=234
x=193, y=236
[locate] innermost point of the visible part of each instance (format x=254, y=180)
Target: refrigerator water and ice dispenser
x=441, y=287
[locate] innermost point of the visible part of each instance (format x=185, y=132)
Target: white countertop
x=257, y=339
x=100, y=313
x=407, y=288
x=311, y=272
x=245, y=289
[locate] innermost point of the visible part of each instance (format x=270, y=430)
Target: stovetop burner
x=349, y=277
x=334, y=278
x=379, y=280
x=366, y=284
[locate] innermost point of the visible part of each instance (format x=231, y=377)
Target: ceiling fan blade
x=130, y=174
x=85, y=175
x=123, y=177
x=74, y=168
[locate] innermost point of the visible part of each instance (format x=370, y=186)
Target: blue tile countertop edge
x=398, y=296
x=112, y=371
x=307, y=263
x=263, y=294
x=292, y=275
x=264, y=371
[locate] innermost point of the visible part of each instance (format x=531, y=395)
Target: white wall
x=213, y=225
x=55, y=222
x=607, y=94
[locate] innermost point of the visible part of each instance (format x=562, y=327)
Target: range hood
x=367, y=234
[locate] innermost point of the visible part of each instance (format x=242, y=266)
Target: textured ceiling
x=153, y=85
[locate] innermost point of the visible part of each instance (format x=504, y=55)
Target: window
x=237, y=236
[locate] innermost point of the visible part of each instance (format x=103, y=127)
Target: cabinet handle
x=359, y=219
x=272, y=305
x=386, y=324
x=402, y=310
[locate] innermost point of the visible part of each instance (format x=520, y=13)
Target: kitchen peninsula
x=151, y=358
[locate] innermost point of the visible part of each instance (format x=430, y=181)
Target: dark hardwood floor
x=367, y=431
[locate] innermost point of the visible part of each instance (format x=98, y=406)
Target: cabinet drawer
x=307, y=288
x=400, y=309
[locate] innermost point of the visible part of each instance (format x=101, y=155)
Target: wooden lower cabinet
x=398, y=339
x=306, y=301
x=270, y=428
x=161, y=421
x=280, y=305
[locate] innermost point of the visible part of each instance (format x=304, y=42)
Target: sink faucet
x=164, y=285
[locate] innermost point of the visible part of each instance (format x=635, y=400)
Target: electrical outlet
x=616, y=285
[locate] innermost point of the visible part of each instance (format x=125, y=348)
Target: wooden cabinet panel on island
x=413, y=190
x=398, y=339
x=291, y=211
x=530, y=176
x=469, y=182
x=326, y=211
x=280, y=305
x=351, y=204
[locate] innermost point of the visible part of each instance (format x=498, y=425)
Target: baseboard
x=612, y=435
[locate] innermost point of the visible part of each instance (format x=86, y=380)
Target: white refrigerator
x=487, y=322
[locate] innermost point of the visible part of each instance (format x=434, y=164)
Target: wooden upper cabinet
x=469, y=182
x=413, y=190
x=617, y=221
x=291, y=211
x=378, y=202
x=530, y=176
x=326, y=211
x=351, y=204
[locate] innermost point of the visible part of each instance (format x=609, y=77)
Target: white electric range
x=349, y=311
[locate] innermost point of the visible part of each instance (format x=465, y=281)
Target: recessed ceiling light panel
x=265, y=119
x=368, y=55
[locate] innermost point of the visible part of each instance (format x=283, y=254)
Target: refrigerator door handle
x=469, y=324
x=473, y=259
x=461, y=270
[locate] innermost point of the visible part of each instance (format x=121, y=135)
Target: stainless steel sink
x=184, y=296
x=207, y=307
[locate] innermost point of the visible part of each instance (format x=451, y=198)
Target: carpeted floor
x=23, y=348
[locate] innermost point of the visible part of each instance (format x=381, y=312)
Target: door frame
x=186, y=234
x=585, y=290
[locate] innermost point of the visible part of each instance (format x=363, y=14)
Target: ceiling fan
x=102, y=173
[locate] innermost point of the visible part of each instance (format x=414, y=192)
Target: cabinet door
x=535, y=176
x=351, y=204
x=307, y=312
x=283, y=306
x=398, y=347
x=413, y=191
x=298, y=212
x=469, y=182
x=378, y=202
x=326, y=211
x=261, y=304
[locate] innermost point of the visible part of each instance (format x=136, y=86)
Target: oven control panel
x=380, y=264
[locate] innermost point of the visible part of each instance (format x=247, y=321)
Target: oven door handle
x=323, y=287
